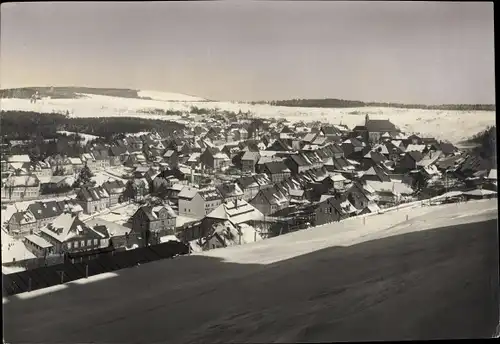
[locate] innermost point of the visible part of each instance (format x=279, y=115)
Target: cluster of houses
x=232, y=182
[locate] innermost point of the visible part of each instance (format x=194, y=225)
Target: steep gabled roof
x=380, y=126
x=276, y=167
x=45, y=210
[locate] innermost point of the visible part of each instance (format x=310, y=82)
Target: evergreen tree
x=84, y=177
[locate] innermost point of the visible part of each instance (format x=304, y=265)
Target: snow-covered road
x=434, y=276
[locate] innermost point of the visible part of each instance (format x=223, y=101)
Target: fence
x=44, y=277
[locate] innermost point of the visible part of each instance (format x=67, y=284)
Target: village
x=222, y=181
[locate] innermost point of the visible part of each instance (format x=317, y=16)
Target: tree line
x=40, y=130
x=342, y=103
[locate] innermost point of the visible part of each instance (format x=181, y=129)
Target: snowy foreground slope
x=454, y=126
x=433, y=276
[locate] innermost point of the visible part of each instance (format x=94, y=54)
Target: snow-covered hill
x=454, y=126
x=167, y=96
x=433, y=276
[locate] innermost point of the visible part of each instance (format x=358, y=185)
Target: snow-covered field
x=454, y=126
x=167, y=96
x=435, y=284
x=86, y=137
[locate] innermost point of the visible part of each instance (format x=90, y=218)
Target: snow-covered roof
x=338, y=178
x=188, y=192
x=75, y=161
x=168, y=238
x=395, y=187
x=19, y=158
x=238, y=211
x=493, y=174
x=415, y=148
x=38, y=240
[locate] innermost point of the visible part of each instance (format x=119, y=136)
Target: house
x=21, y=223
x=198, y=202
x=119, y=235
x=325, y=211
x=390, y=192
x=77, y=164
x=194, y=160
x=277, y=171
x=38, y=245
x=297, y=195
x=270, y=200
x=372, y=158
x=153, y=222
x=410, y=160
x=331, y=132
x=93, y=199
x=376, y=128
x=101, y=157
x=89, y=160
x=115, y=189
x=249, y=160
x=224, y=233
x=21, y=187
x=71, y=206
x=360, y=196
x=117, y=154
x=171, y=157
x=212, y=158
x=279, y=145
x=297, y=163
x=230, y=191
x=250, y=185
x=237, y=212
x=67, y=233
x=44, y=212
x=375, y=173
x=42, y=171
x=351, y=146
x=134, y=144
x=448, y=149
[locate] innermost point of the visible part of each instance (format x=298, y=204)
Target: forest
x=342, y=103
x=23, y=125
x=41, y=131
x=487, y=144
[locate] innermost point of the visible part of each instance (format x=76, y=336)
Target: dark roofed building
x=277, y=171
x=378, y=127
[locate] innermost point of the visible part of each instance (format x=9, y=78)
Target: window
x=75, y=244
x=95, y=242
x=82, y=243
x=68, y=245
x=89, y=242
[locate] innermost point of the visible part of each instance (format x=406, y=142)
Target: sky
x=408, y=52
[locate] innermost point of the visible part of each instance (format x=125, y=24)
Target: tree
x=84, y=177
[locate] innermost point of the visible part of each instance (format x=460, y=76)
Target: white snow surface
x=352, y=231
x=431, y=123
x=168, y=96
